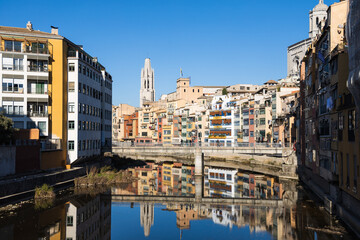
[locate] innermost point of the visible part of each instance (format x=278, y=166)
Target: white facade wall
x=16, y=104
x=229, y=180
x=88, y=98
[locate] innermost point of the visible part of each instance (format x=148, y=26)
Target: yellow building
x=39, y=99
x=167, y=176
x=167, y=134
x=36, y=93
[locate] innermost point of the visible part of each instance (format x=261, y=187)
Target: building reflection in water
x=146, y=217
x=88, y=218
x=176, y=179
x=82, y=217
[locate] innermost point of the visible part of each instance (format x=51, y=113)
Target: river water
x=166, y=202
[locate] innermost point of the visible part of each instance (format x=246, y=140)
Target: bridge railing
x=237, y=145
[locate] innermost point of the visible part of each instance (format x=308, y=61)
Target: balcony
x=15, y=89
x=50, y=144
x=37, y=114
x=13, y=113
x=37, y=91
x=34, y=68
x=12, y=67
x=21, y=47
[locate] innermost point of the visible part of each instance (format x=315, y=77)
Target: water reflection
x=176, y=179
x=284, y=212
x=88, y=218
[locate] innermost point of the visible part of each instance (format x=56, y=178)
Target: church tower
x=317, y=18
x=147, y=89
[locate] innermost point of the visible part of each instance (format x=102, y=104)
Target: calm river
x=285, y=210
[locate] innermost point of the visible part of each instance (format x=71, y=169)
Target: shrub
x=45, y=191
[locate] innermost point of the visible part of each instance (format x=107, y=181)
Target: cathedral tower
x=147, y=89
x=317, y=18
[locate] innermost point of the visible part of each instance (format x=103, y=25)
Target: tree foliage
x=6, y=129
x=224, y=91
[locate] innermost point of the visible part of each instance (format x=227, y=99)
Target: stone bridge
x=275, y=161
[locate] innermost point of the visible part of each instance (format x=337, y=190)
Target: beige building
x=118, y=120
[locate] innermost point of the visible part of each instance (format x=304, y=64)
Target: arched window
x=317, y=21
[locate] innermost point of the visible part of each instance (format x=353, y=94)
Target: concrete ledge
x=204, y=200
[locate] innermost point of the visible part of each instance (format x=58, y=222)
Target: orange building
x=131, y=126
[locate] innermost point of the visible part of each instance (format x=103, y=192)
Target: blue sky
x=215, y=42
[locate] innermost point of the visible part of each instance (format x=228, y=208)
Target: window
x=251, y=134
x=71, y=125
x=30, y=125
x=18, y=124
x=355, y=172
x=351, y=125
x=79, y=68
x=42, y=126
x=71, y=87
x=13, y=46
x=71, y=67
x=251, y=121
x=71, y=146
x=347, y=170
x=71, y=107
x=69, y=221
x=262, y=121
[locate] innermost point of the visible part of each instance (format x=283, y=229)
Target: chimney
x=29, y=26
x=54, y=30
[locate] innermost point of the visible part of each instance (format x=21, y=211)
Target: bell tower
x=317, y=18
x=147, y=89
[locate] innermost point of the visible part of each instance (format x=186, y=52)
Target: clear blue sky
x=216, y=42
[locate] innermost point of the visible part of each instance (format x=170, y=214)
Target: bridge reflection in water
x=164, y=203
x=226, y=196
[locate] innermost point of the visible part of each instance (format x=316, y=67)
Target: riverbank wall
x=335, y=201
x=22, y=187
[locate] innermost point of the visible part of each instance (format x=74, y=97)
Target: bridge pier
x=198, y=188
x=199, y=162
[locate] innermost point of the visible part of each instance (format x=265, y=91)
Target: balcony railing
x=37, y=69
x=37, y=114
x=12, y=90
x=50, y=144
x=12, y=67
x=32, y=91
x=26, y=49
x=13, y=114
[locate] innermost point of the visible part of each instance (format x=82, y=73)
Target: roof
x=27, y=32
x=290, y=94
x=271, y=82
x=211, y=86
x=321, y=6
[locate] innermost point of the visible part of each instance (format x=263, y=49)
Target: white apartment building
x=224, y=121
x=222, y=182
x=89, y=105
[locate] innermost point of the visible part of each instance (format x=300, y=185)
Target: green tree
x=6, y=129
x=224, y=91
